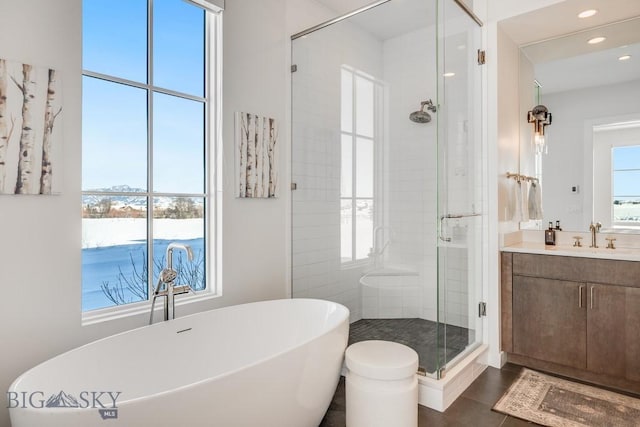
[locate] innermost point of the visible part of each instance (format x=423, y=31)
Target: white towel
x=524, y=197
x=517, y=202
x=535, y=201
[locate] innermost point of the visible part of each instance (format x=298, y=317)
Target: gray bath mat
x=555, y=402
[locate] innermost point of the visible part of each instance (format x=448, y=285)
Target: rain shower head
x=422, y=116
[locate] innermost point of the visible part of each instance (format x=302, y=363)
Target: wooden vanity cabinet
x=549, y=320
x=613, y=331
x=578, y=317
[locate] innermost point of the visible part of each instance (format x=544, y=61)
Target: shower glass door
x=460, y=184
x=369, y=105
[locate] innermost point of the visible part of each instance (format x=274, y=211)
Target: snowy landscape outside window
x=144, y=157
x=626, y=192
x=358, y=143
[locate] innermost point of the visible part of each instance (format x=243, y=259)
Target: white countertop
x=626, y=254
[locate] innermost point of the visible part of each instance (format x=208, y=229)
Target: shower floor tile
x=419, y=334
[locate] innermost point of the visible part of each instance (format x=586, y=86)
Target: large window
x=626, y=191
x=358, y=145
x=145, y=163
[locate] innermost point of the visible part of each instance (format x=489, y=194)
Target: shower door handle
x=440, y=235
x=453, y=216
x=456, y=216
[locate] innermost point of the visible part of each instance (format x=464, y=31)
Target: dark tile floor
x=421, y=335
x=472, y=408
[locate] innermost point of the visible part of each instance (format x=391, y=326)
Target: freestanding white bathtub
x=273, y=363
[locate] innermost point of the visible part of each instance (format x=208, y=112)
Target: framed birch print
x=30, y=122
x=256, y=140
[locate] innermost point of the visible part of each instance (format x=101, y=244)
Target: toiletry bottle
x=550, y=235
x=558, y=226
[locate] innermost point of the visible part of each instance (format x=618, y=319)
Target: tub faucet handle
x=182, y=289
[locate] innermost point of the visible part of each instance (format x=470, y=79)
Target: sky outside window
x=114, y=116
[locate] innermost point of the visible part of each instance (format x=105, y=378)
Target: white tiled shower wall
x=316, y=152
x=411, y=167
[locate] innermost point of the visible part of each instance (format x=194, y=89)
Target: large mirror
x=590, y=165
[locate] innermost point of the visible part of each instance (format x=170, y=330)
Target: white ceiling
x=341, y=7
x=561, y=18
x=554, y=39
x=595, y=69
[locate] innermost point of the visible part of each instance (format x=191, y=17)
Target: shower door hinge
x=481, y=57
x=294, y=68
x=441, y=372
x=482, y=309
x=294, y=186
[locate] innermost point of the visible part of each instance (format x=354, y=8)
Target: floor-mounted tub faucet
x=594, y=228
x=167, y=278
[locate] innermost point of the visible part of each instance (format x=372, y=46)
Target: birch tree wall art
x=256, y=156
x=30, y=139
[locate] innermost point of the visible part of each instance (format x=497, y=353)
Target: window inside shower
x=361, y=99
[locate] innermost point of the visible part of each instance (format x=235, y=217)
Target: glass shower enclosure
x=387, y=202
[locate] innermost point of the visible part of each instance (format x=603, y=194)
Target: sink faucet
x=594, y=228
x=167, y=277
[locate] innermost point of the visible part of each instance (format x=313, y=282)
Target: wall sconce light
x=540, y=117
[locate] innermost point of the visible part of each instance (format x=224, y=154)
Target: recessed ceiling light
x=597, y=40
x=449, y=74
x=587, y=13
x=624, y=57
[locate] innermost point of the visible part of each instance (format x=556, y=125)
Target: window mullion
x=354, y=130
x=208, y=90
x=150, y=207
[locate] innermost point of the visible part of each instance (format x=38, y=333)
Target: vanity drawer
x=576, y=269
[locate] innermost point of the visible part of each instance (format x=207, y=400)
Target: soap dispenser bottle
x=550, y=235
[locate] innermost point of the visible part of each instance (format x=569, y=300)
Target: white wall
x=255, y=80
x=503, y=9
x=570, y=140
x=501, y=151
x=40, y=250
x=40, y=254
x=508, y=128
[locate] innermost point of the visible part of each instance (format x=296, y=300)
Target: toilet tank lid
x=381, y=360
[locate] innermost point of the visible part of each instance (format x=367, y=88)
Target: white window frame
x=605, y=139
x=379, y=91
x=212, y=100
x=622, y=224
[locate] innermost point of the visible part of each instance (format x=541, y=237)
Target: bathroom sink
x=600, y=250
